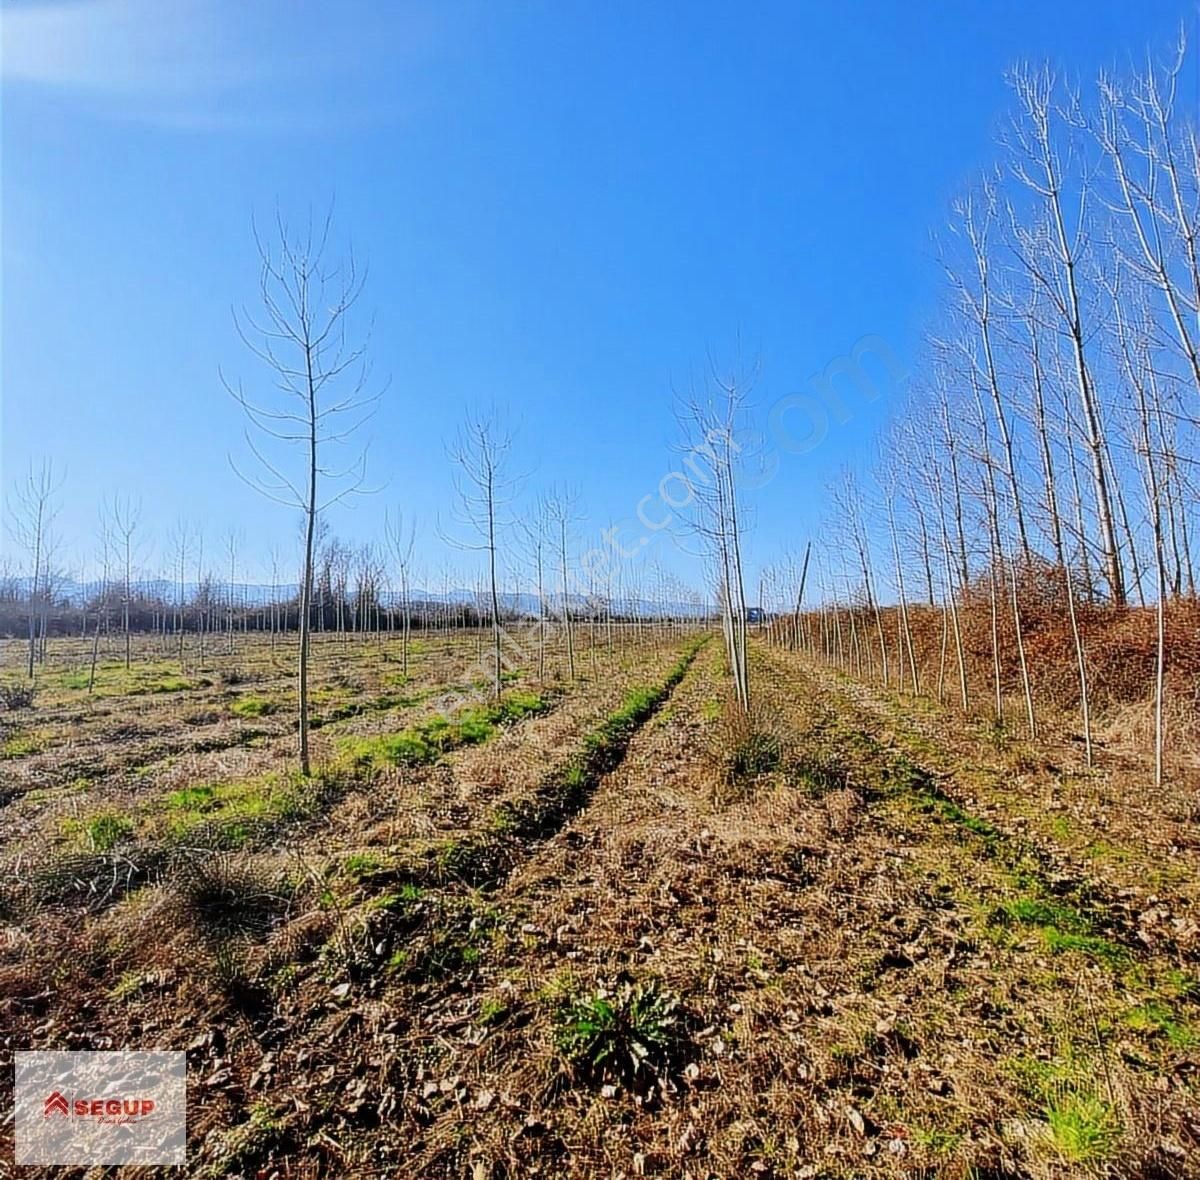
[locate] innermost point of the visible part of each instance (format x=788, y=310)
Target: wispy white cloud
x=118, y=47
x=209, y=64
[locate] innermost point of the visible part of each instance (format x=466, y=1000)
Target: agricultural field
x=606, y=926
x=600, y=591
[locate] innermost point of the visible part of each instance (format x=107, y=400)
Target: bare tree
x=1037, y=385
x=933, y=474
x=200, y=583
x=124, y=517
x=275, y=596
x=1140, y=370
x=102, y=602
x=318, y=400
x=560, y=507
x=975, y=220
x=890, y=482
x=231, y=548
x=711, y=424
x=35, y=508
x=846, y=498
x=181, y=539
x=1051, y=252
x=400, y=542
x=484, y=487
x=536, y=533
x=1153, y=196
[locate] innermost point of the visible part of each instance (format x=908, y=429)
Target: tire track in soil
x=568, y=874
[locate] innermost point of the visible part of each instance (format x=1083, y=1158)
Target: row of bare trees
x=713, y=418
x=301, y=450
x=31, y=521
x=1053, y=419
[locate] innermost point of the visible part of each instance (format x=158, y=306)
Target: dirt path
x=1140, y=847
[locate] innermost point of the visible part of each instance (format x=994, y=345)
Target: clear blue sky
x=565, y=207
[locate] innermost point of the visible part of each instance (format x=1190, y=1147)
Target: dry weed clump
x=14, y=697
x=745, y=748
x=1127, y=729
x=1120, y=645
x=225, y=895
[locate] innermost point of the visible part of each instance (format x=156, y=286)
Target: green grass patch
x=235, y=810
x=164, y=684
x=113, y=679
x=400, y=901
x=492, y=1012
x=344, y=708
x=252, y=706
x=127, y=986
x=237, y=1150
x=100, y=832
x=1062, y=928
x=1160, y=1019
x=23, y=745
x=431, y=739
x=903, y=776
x=1079, y=1126
x=619, y=726
x=515, y=706
x=1082, y=1128
x=397, y=749
x=936, y=804
x=817, y=775
x=1092, y=945
x=1035, y=911
x=1061, y=828
x=937, y=1141
x=1108, y=853
x=363, y=866
x=192, y=798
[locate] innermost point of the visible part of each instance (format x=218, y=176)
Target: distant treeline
x=212, y=608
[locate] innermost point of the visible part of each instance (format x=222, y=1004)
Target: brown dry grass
x=891, y=959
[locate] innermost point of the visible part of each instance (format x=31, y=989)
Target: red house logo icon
x=55, y=1104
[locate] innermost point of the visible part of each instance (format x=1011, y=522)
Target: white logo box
x=100, y=1108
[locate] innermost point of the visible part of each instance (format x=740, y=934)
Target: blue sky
x=565, y=207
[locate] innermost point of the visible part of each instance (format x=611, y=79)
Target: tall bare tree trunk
x=1035, y=142
x=304, y=303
